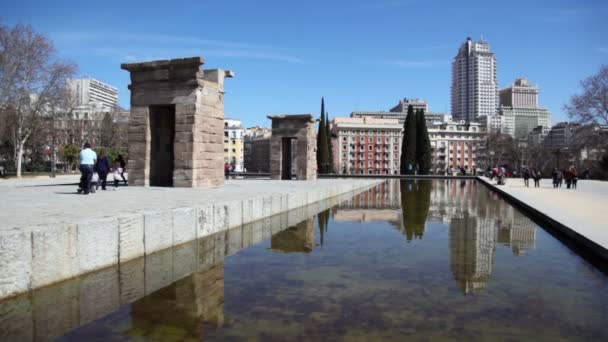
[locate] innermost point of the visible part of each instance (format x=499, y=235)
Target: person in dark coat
x=123, y=165
x=537, y=176
x=556, y=178
x=526, y=175
x=103, y=168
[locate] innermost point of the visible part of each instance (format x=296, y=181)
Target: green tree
x=329, y=144
x=322, y=151
x=408, y=146
x=423, y=144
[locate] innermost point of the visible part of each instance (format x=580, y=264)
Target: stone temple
x=176, y=125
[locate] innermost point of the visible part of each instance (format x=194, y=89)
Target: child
x=117, y=175
x=94, y=181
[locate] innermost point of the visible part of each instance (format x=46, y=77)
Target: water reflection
x=182, y=310
x=297, y=239
x=478, y=221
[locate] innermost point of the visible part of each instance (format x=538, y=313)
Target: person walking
x=526, y=175
x=574, y=177
x=556, y=177
x=103, y=168
x=88, y=158
x=568, y=178
x=123, y=165
x=227, y=170
x=560, y=177
x=536, y=175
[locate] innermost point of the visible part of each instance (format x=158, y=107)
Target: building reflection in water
x=478, y=221
x=297, y=239
x=182, y=309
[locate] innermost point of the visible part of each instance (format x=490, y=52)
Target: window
x=396, y=148
x=225, y=150
x=226, y=134
x=369, y=140
x=233, y=150
x=370, y=147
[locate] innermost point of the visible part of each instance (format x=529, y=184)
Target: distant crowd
x=569, y=176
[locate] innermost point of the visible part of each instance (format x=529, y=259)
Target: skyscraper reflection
x=478, y=221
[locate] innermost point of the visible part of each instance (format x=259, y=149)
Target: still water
x=407, y=260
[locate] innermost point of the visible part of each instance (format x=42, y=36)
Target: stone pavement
x=583, y=210
x=28, y=202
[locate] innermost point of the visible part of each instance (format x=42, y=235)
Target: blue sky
x=359, y=54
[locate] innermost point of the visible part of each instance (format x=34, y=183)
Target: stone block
x=184, y=225
x=132, y=281
x=205, y=252
x=15, y=261
x=97, y=244
x=158, y=270
x=220, y=217
x=266, y=206
x=54, y=253
x=276, y=203
x=131, y=236
x=56, y=310
x=219, y=247
x=257, y=235
x=247, y=216
x=16, y=319
x=184, y=260
x=234, y=241
x=98, y=294
x=205, y=221
x=158, y=231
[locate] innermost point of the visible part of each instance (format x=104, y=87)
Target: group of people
x=534, y=174
x=94, y=171
x=569, y=175
x=500, y=173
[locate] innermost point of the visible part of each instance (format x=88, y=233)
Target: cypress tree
x=322, y=151
x=423, y=144
x=408, y=146
x=329, y=144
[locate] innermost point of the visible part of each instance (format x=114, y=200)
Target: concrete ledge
x=588, y=245
x=32, y=257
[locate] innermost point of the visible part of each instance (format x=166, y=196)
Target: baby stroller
x=94, y=181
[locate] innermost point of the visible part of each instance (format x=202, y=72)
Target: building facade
x=520, y=110
x=399, y=112
x=416, y=104
x=92, y=97
x=474, y=81
x=455, y=144
x=561, y=135
x=257, y=149
x=367, y=145
x=234, y=143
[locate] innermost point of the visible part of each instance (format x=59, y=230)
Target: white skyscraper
x=474, y=81
x=92, y=97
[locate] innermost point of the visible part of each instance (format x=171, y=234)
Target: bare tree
x=591, y=107
x=32, y=81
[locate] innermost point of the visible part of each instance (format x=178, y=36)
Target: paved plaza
x=584, y=210
x=29, y=202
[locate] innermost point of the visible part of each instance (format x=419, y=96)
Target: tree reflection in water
x=415, y=203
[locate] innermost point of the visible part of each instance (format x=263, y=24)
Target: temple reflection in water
x=476, y=219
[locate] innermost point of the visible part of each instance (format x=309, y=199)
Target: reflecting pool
x=406, y=260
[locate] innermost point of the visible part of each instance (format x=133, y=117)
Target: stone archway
x=176, y=123
x=293, y=143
